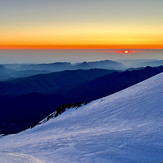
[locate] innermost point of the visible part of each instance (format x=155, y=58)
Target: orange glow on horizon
x=82, y=36
x=123, y=46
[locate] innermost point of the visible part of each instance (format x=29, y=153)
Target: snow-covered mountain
x=124, y=127
x=17, y=158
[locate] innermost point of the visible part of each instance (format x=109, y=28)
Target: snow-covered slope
x=17, y=158
x=124, y=127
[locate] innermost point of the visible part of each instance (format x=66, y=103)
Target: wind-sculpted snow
x=124, y=127
x=17, y=158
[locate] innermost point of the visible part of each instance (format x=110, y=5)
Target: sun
x=126, y=51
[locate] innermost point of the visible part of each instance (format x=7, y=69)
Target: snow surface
x=124, y=127
x=17, y=158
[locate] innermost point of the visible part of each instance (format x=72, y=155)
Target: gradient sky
x=74, y=24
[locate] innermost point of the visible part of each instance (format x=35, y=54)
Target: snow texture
x=124, y=127
x=17, y=158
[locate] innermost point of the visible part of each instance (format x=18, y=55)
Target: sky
x=80, y=24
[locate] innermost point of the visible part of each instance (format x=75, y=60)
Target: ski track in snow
x=124, y=127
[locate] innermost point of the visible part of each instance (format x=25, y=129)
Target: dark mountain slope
x=111, y=83
x=49, y=83
x=19, y=112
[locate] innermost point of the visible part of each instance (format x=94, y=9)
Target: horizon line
x=81, y=47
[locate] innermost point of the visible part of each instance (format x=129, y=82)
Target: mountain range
x=141, y=63
x=13, y=71
x=124, y=127
x=24, y=102
x=49, y=83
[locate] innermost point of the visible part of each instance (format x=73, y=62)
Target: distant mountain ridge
x=110, y=83
x=14, y=71
x=49, y=83
x=105, y=64
x=142, y=63
x=61, y=66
